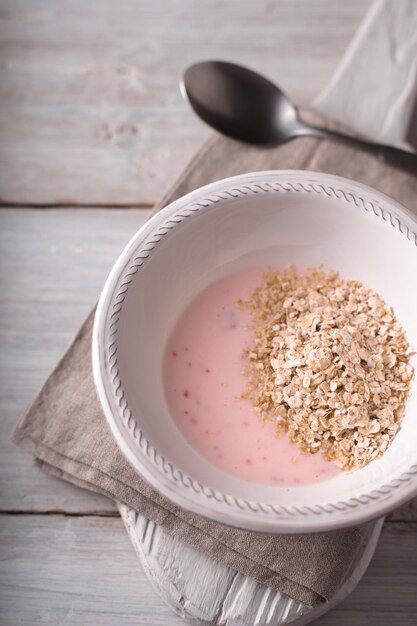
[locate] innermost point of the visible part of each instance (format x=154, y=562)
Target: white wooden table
x=92, y=130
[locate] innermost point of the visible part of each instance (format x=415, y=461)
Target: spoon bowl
x=240, y=103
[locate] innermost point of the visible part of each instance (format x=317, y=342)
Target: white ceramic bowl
x=251, y=220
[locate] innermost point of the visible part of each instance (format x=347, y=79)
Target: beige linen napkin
x=65, y=429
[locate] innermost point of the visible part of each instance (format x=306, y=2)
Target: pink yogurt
x=204, y=380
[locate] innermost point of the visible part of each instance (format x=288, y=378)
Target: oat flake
x=330, y=364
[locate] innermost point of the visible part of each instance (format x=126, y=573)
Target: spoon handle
x=392, y=156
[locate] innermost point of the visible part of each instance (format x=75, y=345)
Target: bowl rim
x=145, y=458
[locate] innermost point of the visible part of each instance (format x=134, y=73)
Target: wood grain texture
x=223, y=596
x=214, y=598
x=75, y=571
x=387, y=594
x=52, y=267
x=82, y=570
x=90, y=110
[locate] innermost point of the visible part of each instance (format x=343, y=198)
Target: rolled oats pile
x=330, y=364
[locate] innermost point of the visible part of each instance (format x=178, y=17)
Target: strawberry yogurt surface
x=204, y=379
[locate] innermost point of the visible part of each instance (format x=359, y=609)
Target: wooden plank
x=387, y=593
x=90, y=108
x=221, y=592
x=52, y=267
x=82, y=570
x=74, y=570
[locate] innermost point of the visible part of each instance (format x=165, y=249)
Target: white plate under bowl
x=252, y=220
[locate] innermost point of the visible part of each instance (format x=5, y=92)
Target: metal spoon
x=246, y=106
